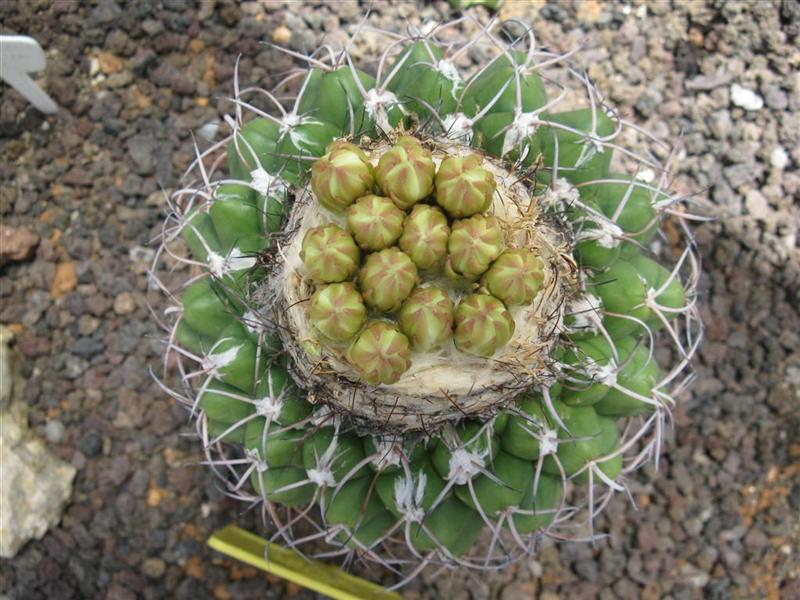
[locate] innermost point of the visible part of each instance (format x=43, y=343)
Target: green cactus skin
x=483, y=325
x=333, y=454
x=341, y=176
x=206, y=309
x=425, y=235
x=380, y=353
x=221, y=403
x=254, y=147
x=387, y=278
x=514, y=475
x=500, y=75
x=539, y=505
x=284, y=486
x=474, y=244
x=421, y=83
x=278, y=446
x=405, y=172
x=375, y=222
x=402, y=495
x=426, y=318
x=329, y=254
x=515, y=277
x=521, y=436
x=338, y=311
x=463, y=186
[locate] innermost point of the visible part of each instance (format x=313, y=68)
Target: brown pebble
x=64, y=280
x=124, y=304
x=109, y=63
x=282, y=35
x=16, y=244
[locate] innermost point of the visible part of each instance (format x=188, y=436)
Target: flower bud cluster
x=411, y=227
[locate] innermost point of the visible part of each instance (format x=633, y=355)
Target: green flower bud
x=341, y=176
x=457, y=280
x=329, y=254
x=338, y=311
x=483, y=325
x=426, y=318
x=515, y=277
x=375, y=222
x=405, y=172
x=387, y=279
x=380, y=353
x=425, y=233
x=474, y=244
x=463, y=187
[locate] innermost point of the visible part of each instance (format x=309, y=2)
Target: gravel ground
x=720, y=520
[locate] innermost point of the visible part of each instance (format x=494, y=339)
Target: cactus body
x=426, y=309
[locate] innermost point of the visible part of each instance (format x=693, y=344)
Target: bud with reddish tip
x=405, y=172
x=483, y=325
x=474, y=244
x=375, y=222
x=425, y=233
x=341, y=176
x=463, y=186
x=337, y=311
x=387, y=278
x=380, y=353
x=426, y=318
x=329, y=254
x=515, y=277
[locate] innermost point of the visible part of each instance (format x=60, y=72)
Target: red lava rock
x=78, y=176
x=34, y=346
x=16, y=244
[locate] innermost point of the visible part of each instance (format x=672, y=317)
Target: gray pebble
x=91, y=444
x=54, y=431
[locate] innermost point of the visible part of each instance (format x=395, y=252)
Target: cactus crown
x=425, y=301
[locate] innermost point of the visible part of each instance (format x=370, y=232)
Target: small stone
x=124, y=304
x=152, y=27
x=756, y=539
x=794, y=497
x=153, y=568
x=55, y=431
x=36, y=485
x=16, y=244
x=109, y=63
x=720, y=124
x=282, y=35
x=647, y=103
x=88, y=324
x=746, y=99
x=756, y=205
x=91, y=444
x=779, y=159
x=775, y=97
x=65, y=280
x=142, y=150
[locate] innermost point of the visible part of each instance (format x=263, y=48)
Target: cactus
x=485, y=373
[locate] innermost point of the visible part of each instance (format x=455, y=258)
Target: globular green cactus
x=425, y=303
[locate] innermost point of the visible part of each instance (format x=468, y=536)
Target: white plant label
x=20, y=55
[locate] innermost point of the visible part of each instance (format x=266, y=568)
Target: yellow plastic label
x=319, y=577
